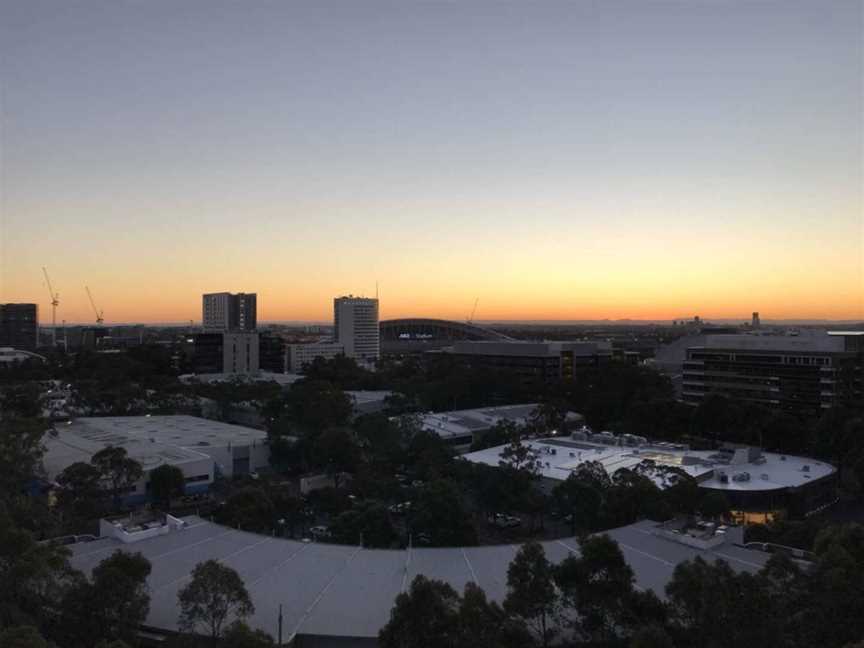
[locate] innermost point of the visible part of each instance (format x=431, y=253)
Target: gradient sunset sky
x=558, y=160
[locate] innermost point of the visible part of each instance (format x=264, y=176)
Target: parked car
x=504, y=521
x=400, y=509
x=320, y=532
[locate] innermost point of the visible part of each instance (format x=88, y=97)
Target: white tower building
x=355, y=325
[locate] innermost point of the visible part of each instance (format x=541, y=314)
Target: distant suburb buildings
x=800, y=374
x=201, y=448
x=19, y=326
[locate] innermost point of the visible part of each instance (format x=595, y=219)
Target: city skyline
x=562, y=161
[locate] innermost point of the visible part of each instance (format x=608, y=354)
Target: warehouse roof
x=348, y=591
x=151, y=440
x=459, y=423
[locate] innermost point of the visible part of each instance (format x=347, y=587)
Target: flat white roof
x=458, y=423
x=369, y=396
x=150, y=440
x=348, y=591
x=769, y=472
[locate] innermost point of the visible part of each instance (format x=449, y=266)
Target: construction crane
x=96, y=311
x=55, y=302
x=473, y=311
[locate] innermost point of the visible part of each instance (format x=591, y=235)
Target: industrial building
x=804, y=373
x=340, y=596
x=759, y=486
x=355, y=326
x=201, y=448
x=460, y=428
x=19, y=326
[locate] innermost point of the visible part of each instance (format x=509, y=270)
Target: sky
x=553, y=160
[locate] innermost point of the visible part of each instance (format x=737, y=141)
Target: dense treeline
x=592, y=600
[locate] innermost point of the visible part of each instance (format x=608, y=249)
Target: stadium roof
x=348, y=591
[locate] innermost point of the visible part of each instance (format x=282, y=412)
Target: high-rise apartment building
x=19, y=326
x=230, y=312
x=355, y=327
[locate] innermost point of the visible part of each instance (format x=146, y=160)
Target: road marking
x=470, y=567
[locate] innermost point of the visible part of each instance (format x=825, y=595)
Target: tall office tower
x=229, y=312
x=355, y=326
x=19, y=326
x=755, y=322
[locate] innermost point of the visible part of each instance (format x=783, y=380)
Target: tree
x=249, y=508
x=440, y=514
x=32, y=575
x=120, y=470
x=240, y=635
x=22, y=399
x=581, y=501
x=531, y=593
x=21, y=451
x=337, y=452
x=713, y=606
x=215, y=593
x=479, y=621
x=833, y=611
x=317, y=405
x=520, y=456
x=633, y=496
x=80, y=496
x=368, y=522
x=166, y=483
x=120, y=588
x=111, y=605
x=426, y=616
x=714, y=504
x=22, y=637
x=598, y=586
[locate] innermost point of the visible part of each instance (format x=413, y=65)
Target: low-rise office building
x=201, y=448
x=230, y=353
x=299, y=355
x=19, y=326
x=803, y=373
x=535, y=364
x=759, y=486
